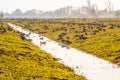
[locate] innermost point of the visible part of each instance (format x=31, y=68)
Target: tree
x=1, y=15
x=109, y=6
x=95, y=10
x=69, y=11
x=89, y=4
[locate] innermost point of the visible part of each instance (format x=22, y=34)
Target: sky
x=50, y=5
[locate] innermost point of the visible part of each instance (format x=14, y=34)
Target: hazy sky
x=49, y=5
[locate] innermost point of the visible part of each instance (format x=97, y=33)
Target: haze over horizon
x=48, y=5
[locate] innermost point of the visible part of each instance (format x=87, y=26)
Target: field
x=21, y=60
x=99, y=37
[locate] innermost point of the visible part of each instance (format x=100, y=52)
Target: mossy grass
x=21, y=60
x=99, y=37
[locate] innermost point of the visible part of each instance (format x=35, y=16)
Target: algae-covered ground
x=100, y=37
x=21, y=60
